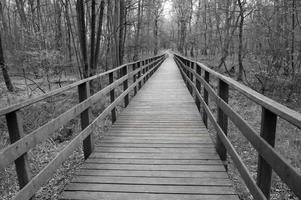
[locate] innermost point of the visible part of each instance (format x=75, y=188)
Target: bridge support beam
x=125, y=85
x=15, y=130
x=205, y=117
x=222, y=120
x=198, y=86
x=267, y=132
x=83, y=94
x=112, y=97
x=134, y=77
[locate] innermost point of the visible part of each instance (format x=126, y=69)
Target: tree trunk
x=6, y=77
x=156, y=35
x=20, y=8
x=293, y=38
x=92, y=39
x=122, y=25
x=99, y=31
x=240, y=36
x=137, y=35
x=82, y=35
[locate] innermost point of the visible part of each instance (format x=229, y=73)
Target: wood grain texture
x=158, y=148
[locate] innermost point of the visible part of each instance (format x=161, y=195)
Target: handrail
x=21, y=144
x=28, y=102
x=277, y=108
x=268, y=158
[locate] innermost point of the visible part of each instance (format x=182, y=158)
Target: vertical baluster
x=143, y=71
x=134, y=77
x=205, y=118
x=15, y=130
x=125, y=85
x=267, y=132
x=139, y=74
x=222, y=120
x=198, y=86
x=191, y=76
x=83, y=94
x=112, y=96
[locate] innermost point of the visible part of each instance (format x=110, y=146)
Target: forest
x=48, y=44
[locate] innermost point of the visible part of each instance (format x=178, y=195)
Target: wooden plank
x=153, y=181
x=154, y=189
x=149, y=140
x=155, y=156
x=186, y=150
x=133, y=167
x=155, y=145
x=84, y=195
x=128, y=173
x=153, y=161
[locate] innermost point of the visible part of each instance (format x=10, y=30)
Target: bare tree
x=6, y=77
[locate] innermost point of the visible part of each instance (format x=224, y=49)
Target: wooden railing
x=197, y=76
x=139, y=72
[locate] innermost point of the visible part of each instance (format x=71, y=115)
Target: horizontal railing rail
x=139, y=72
x=197, y=76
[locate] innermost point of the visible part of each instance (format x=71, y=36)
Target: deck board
x=157, y=149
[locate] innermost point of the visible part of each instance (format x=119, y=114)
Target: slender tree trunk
x=156, y=35
x=293, y=38
x=121, y=30
x=99, y=31
x=92, y=39
x=116, y=24
x=20, y=8
x=240, y=36
x=82, y=35
x=206, y=27
x=5, y=74
x=137, y=37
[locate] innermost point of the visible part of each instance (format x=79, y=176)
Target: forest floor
x=288, y=141
x=288, y=137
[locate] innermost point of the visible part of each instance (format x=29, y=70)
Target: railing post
x=139, y=74
x=112, y=96
x=143, y=71
x=191, y=76
x=222, y=120
x=146, y=70
x=198, y=86
x=15, y=130
x=267, y=132
x=134, y=77
x=205, y=118
x=83, y=94
x=125, y=85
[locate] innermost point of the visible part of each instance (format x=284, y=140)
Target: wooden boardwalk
x=157, y=149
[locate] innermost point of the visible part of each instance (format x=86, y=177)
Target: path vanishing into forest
x=158, y=148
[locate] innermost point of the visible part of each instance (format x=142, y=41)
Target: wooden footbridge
x=158, y=147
